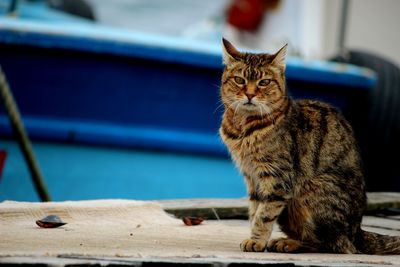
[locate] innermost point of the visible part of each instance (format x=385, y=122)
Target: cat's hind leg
x=341, y=245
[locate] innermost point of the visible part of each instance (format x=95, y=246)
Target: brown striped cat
x=299, y=159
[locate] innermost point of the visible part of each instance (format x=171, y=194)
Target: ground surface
x=132, y=232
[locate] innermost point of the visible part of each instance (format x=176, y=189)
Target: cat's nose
x=250, y=96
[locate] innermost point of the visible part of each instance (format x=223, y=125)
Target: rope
x=22, y=138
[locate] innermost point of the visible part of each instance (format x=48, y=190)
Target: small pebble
x=191, y=221
x=50, y=221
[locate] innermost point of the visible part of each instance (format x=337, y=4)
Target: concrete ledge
x=237, y=208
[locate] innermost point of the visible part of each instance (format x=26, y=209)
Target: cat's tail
x=373, y=243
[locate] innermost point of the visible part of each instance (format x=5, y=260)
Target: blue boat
x=124, y=114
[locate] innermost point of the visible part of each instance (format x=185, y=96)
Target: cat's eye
x=239, y=80
x=264, y=82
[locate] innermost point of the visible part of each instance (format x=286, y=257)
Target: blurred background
x=120, y=98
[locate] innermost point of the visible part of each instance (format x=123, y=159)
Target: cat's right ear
x=230, y=53
x=279, y=57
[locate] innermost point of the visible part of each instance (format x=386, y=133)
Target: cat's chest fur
x=250, y=152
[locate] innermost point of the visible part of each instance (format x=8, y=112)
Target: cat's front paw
x=252, y=245
x=284, y=245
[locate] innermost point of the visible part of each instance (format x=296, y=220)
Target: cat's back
x=324, y=137
x=316, y=112
x=316, y=117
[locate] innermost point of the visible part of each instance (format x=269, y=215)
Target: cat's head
x=253, y=83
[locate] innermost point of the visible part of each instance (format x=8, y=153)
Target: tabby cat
x=299, y=159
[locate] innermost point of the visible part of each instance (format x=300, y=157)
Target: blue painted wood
x=77, y=172
x=77, y=81
x=92, y=38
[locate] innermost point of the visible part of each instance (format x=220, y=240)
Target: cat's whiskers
x=236, y=111
x=267, y=110
x=261, y=114
x=221, y=104
x=216, y=85
x=235, y=106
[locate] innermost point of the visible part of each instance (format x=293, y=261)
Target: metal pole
x=22, y=138
x=343, y=27
x=13, y=6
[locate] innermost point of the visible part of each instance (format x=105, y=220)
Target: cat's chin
x=250, y=109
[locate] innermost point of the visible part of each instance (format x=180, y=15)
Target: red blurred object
x=3, y=156
x=246, y=14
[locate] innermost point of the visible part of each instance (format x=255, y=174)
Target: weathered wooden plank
x=116, y=232
x=207, y=208
x=382, y=223
x=237, y=208
x=278, y=259
x=383, y=200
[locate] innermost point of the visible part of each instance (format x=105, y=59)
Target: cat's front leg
x=264, y=217
x=253, y=204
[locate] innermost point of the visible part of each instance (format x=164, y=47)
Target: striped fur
x=299, y=159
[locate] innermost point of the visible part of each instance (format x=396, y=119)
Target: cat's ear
x=230, y=53
x=279, y=58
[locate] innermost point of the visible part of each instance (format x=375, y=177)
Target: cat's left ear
x=280, y=58
x=230, y=53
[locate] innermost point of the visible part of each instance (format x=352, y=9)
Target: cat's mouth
x=249, y=104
